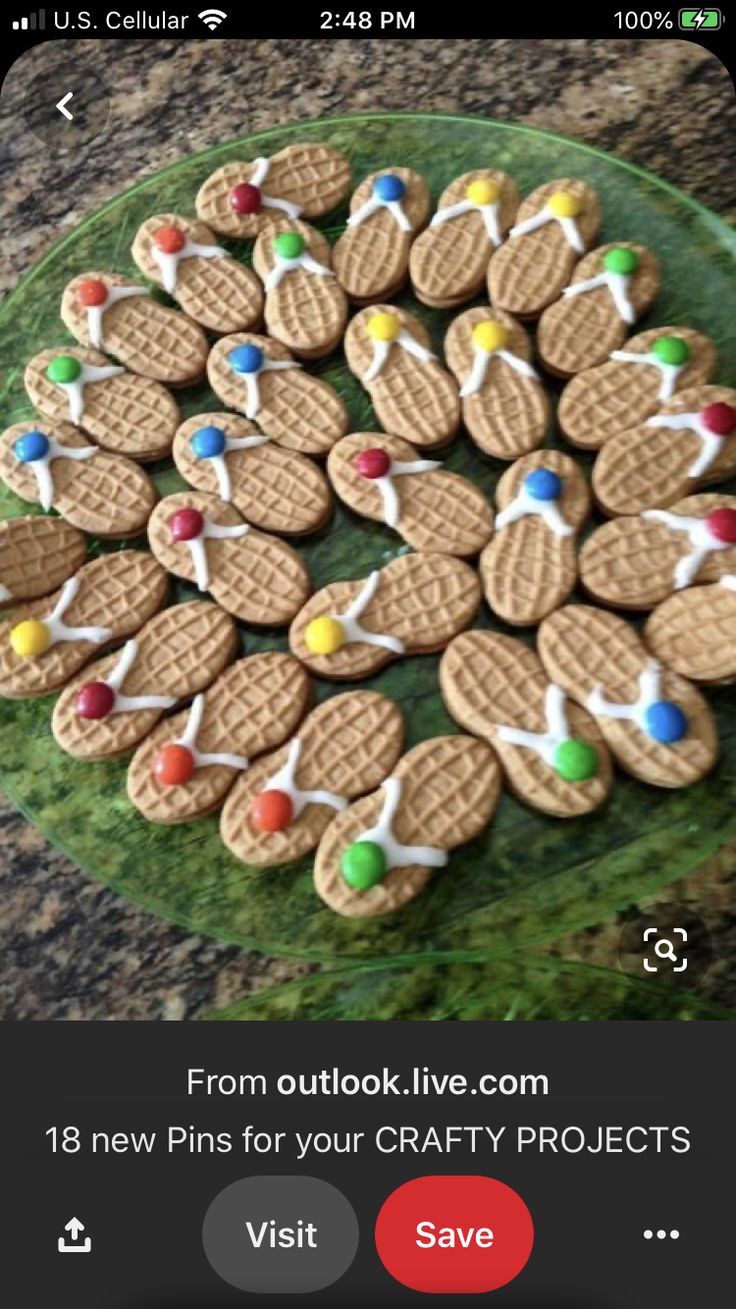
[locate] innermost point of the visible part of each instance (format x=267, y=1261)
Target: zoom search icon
x=665, y=948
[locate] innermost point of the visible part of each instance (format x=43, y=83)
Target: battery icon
x=696, y=20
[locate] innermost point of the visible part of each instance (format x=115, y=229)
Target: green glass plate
x=528, y=878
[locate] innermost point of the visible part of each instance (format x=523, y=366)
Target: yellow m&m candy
x=483, y=191
x=490, y=336
x=384, y=327
x=30, y=637
x=324, y=636
x=564, y=205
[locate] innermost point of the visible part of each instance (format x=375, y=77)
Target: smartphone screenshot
x=367, y=657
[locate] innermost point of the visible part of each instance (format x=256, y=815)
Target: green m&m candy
x=621, y=260
x=576, y=761
x=363, y=865
x=671, y=350
x=289, y=245
x=64, y=368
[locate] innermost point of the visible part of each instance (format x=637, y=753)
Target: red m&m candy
x=271, y=811
x=246, y=198
x=95, y=700
x=92, y=293
x=721, y=524
x=173, y=765
x=372, y=463
x=186, y=524
x=720, y=419
x=169, y=239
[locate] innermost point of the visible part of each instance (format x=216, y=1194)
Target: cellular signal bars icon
x=33, y=23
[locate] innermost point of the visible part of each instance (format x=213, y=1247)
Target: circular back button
x=280, y=1234
x=454, y=1235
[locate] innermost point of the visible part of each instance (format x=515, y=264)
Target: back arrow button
x=61, y=106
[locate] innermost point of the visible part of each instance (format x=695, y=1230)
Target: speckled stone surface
x=71, y=949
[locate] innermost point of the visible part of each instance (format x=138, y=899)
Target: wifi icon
x=212, y=17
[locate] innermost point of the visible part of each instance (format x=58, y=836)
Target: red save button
x=454, y=1235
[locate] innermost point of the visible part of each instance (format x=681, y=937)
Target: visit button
x=454, y=1235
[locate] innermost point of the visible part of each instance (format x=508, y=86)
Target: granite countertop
x=70, y=948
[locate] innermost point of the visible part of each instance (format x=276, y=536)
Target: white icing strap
x=75, y=390
x=729, y=581
x=43, y=471
x=398, y=855
x=703, y=542
x=5, y=594
x=124, y=704
x=650, y=687
x=252, y=406
x=222, y=472
x=481, y=362
x=489, y=214
x=283, y=266
x=545, y=744
x=349, y=620
x=388, y=490
x=95, y=312
x=373, y=204
x=669, y=373
x=188, y=739
x=382, y=350
x=198, y=550
x=57, y=628
x=711, y=443
x=285, y=780
x=617, y=284
x=568, y=225
x=526, y=505
x=168, y=261
x=258, y=177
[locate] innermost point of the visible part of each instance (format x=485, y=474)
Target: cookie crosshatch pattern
x=491, y=899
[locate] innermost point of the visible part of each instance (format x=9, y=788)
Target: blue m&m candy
x=543, y=484
x=207, y=442
x=31, y=446
x=665, y=722
x=389, y=187
x=245, y=358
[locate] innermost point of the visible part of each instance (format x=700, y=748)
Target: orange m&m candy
x=173, y=765
x=271, y=811
x=170, y=239
x=92, y=293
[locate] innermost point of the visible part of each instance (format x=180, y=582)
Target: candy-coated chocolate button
x=64, y=369
x=388, y=187
x=454, y=1235
x=483, y=191
x=372, y=463
x=245, y=198
x=245, y=358
x=564, y=205
x=721, y=524
x=208, y=442
x=30, y=447
x=576, y=761
x=95, y=700
x=671, y=350
x=621, y=260
x=543, y=484
x=173, y=765
x=665, y=722
x=490, y=336
x=30, y=638
x=363, y=865
x=170, y=240
x=92, y=293
x=383, y=327
x=186, y=524
x=271, y=811
x=289, y=245
x=719, y=418
x=324, y=636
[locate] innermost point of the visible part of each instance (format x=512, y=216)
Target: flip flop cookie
x=307, y=180
x=255, y=577
x=274, y=489
x=449, y=261
x=44, y=643
x=414, y=605
x=689, y=443
x=125, y=414
x=278, y=810
x=657, y=726
x=529, y=567
x=504, y=404
x=414, y=397
x=305, y=309
x=694, y=631
x=117, y=700
x=36, y=555
x=54, y=466
x=632, y=384
x=111, y=313
x=371, y=258
x=433, y=509
x=610, y=288
x=635, y=562
x=188, y=764
x=257, y=376
x=379, y=853
x=182, y=256
x=552, y=752
x=554, y=227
